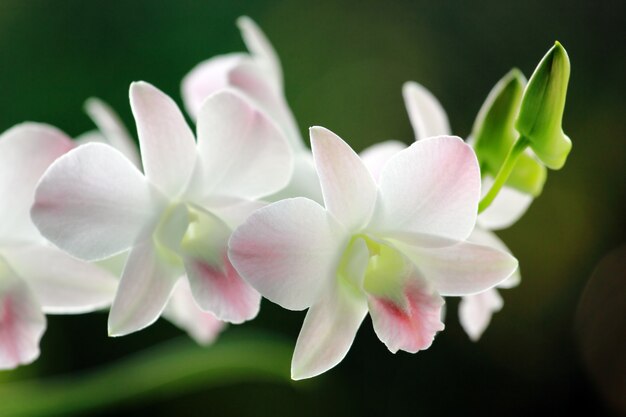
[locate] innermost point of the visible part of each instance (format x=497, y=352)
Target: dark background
x=344, y=65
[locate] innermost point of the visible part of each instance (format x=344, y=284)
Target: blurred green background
x=344, y=65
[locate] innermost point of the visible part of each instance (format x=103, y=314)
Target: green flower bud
x=494, y=134
x=541, y=112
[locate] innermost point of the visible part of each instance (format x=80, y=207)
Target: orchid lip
x=382, y=273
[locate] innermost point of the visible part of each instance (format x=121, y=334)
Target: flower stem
x=175, y=368
x=505, y=171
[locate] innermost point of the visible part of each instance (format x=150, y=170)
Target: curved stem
x=172, y=369
x=505, y=171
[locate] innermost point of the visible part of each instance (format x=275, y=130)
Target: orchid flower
x=177, y=217
x=35, y=277
x=258, y=76
x=391, y=249
x=428, y=118
x=181, y=310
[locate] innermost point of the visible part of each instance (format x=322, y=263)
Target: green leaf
x=541, y=112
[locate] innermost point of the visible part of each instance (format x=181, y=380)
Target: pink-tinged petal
x=144, y=290
x=505, y=210
x=244, y=154
x=247, y=76
x=168, y=148
x=183, y=311
x=432, y=187
x=220, y=290
x=376, y=156
x=26, y=151
x=112, y=129
x=255, y=82
x=61, y=283
x=21, y=321
x=461, y=269
x=487, y=238
x=328, y=331
x=409, y=325
x=288, y=251
x=261, y=49
x=93, y=202
x=348, y=188
x=475, y=312
x=426, y=114
x=207, y=78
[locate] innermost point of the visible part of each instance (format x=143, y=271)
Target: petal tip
x=243, y=22
x=137, y=87
x=298, y=374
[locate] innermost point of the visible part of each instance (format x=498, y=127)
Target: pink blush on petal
x=21, y=326
x=8, y=339
x=412, y=327
x=221, y=291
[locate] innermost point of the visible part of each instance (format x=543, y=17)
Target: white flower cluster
x=197, y=228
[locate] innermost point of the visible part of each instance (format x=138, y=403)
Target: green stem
x=172, y=369
x=505, y=171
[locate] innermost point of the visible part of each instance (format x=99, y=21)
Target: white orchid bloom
x=35, y=277
x=181, y=310
x=177, y=218
x=391, y=249
x=258, y=76
x=428, y=118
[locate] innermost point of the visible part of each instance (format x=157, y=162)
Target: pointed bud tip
x=516, y=74
x=541, y=111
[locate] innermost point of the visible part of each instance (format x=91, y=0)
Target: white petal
x=90, y=137
x=506, y=209
x=487, y=238
x=168, y=148
x=26, y=151
x=110, y=125
x=207, y=78
x=412, y=324
x=255, y=82
x=145, y=288
x=432, y=187
x=461, y=269
x=288, y=251
x=243, y=153
x=93, y=202
x=348, y=188
x=475, y=312
x=62, y=284
x=261, y=48
x=183, y=311
x=250, y=78
x=427, y=116
x=376, y=156
x=328, y=332
x=21, y=321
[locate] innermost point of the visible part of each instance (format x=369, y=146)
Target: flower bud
x=541, y=112
x=494, y=134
